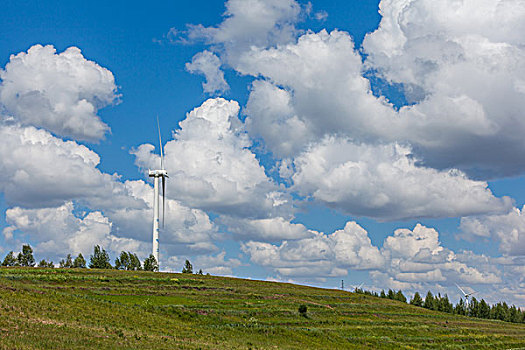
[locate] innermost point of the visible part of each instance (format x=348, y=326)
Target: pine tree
x=25, y=257
x=429, y=301
x=10, y=260
x=99, y=259
x=68, y=263
x=399, y=296
x=188, y=267
x=122, y=262
x=150, y=264
x=446, y=305
x=416, y=300
x=484, y=309
x=460, y=308
x=390, y=294
x=134, y=262
x=383, y=294
x=473, y=308
x=44, y=263
x=79, y=262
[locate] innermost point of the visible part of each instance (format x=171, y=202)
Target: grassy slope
x=84, y=309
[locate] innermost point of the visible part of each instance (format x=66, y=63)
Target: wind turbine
x=466, y=295
x=156, y=174
x=356, y=288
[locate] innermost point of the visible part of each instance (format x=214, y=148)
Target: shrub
x=302, y=310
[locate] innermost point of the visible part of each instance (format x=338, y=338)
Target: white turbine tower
x=465, y=294
x=156, y=174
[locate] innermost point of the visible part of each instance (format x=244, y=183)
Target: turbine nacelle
x=158, y=173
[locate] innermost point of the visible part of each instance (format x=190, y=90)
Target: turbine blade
x=160, y=146
x=462, y=291
x=163, y=199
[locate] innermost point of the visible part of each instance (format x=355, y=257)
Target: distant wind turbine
x=156, y=174
x=356, y=288
x=465, y=294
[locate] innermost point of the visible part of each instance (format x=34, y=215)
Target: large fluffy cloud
x=384, y=182
x=60, y=92
x=209, y=65
x=319, y=256
x=416, y=259
x=40, y=170
x=58, y=231
x=463, y=64
x=315, y=87
x=507, y=229
x=251, y=22
x=211, y=167
x=267, y=229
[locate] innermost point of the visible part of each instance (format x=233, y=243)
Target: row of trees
x=99, y=260
x=481, y=309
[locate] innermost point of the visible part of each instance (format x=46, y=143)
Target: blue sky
x=328, y=141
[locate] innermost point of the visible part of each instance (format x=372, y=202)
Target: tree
x=99, y=259
x=429, y=301
x=200, y=272
x=383, y=294
x=460, y=308
x=10, y=260
x=122, y=261
x=484, y=309
x=150, y=264
x=44, y=263
x=127, y=261
x=68, y=263
x=416, y=300
x=188, y=267
x=390, y=294
x=79, y=262
x=25, y=257
x=473, y=307
x=399, y=296
x=446, y=305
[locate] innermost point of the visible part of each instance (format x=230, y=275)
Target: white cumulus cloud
x=384, y=182
x=209, y=65
x=59, y=92
x=507, y=229
x=211, y=167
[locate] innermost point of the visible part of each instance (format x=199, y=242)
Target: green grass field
x=109, y=309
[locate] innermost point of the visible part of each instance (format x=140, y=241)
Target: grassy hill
x=107, y=309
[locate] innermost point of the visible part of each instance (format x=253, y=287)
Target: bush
x=302, y=310
x=44, y=263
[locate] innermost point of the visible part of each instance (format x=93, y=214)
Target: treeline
x=481, y=309
x=99, y=260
